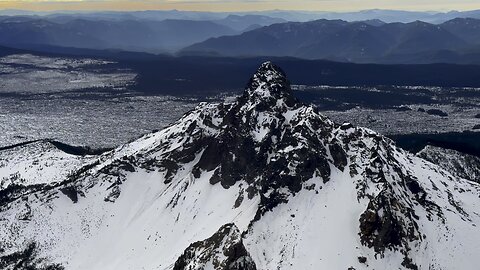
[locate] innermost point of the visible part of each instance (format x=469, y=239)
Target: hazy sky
x=242, y=5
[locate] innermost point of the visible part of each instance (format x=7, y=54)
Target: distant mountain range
x=127, y=34
x=192, y=75
x=360, y=37
x=388, y=16
x=456, y=41
x=288, y=15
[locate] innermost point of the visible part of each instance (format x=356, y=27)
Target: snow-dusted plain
x=104, y=120
x=399, y=109
x=80, y=101
x=32, y=74
x=263, y=182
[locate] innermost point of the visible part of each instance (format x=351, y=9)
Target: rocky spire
x=268, y=85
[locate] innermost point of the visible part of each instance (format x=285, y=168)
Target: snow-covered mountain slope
x=264, y=182
x=37, y=162
x=458, y=163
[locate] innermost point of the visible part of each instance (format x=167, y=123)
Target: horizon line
x=232, y=11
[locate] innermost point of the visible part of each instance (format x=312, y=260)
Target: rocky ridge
x=459, y=164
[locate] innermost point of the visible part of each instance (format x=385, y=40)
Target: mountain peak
x=268, y=65
x=269, y=80
x=269, y=84
x=233, y=186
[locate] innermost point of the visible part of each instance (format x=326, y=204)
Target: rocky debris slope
x=459, y=164
x=264, y=182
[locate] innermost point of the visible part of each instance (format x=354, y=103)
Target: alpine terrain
x=263, y=182
x=458, y=163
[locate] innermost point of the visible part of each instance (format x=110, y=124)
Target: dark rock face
x=71, y=193
x=268, y=85
x=339, y=156
x=387, y=224
x=380, y=231
x=224, y=250
x=390, y=221
x=268, y=92
x=26, y=259
x=260, y=141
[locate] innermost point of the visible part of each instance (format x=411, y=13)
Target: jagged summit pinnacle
x=269, y=84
